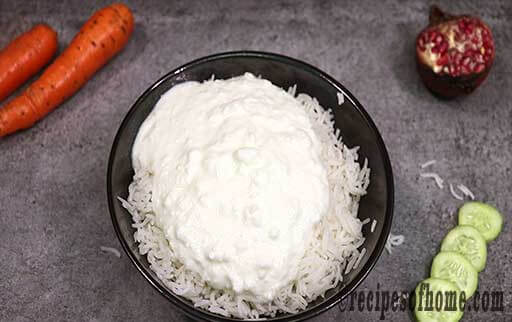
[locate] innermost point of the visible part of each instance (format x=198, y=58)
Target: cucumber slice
x=468, y=242
x=449, y=308
x=455, y=268
x=485, y=218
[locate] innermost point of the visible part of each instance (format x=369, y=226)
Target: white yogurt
x=237, y=181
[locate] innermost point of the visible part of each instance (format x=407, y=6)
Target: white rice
x=435, y=176
x=111, y=250
x=454, y=194
x=332, y=250
x=361, y=255
x=374, y=224
x=427, y=164
x=351, y=263
x=465, y=190
x=292, y=90
x=394, y=241
x=341, y=98
x=440, y=182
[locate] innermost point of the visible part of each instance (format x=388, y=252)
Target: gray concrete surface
x=53, y=211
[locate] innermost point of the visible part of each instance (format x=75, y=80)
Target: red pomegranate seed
x=443, y=47
x=443, y=59
x=479, y=68
x=432, y=36
x=470, y=28
x=458, y=58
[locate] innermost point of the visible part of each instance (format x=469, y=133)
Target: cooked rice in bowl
x=332, y=252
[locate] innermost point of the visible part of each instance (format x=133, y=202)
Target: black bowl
x=357, y=129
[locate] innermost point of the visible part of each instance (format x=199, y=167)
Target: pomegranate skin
x=446, y=86
x=441, y=69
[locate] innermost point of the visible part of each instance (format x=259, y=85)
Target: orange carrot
x=99, y=39
x=25, y=56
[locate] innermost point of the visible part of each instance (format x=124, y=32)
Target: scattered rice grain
x=374, y=224
x=394, y=241
x=454, y=194
x=341, y=98
x=435, y=176
x=428, y=164
x=465, y=190
x=111, y=250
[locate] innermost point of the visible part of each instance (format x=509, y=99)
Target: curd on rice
x=244, y=198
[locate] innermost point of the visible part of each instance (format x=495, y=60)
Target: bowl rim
x=388, y=171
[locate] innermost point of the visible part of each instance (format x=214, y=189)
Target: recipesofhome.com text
x=384, y=301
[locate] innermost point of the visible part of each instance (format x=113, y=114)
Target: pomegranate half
x=454, y=53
